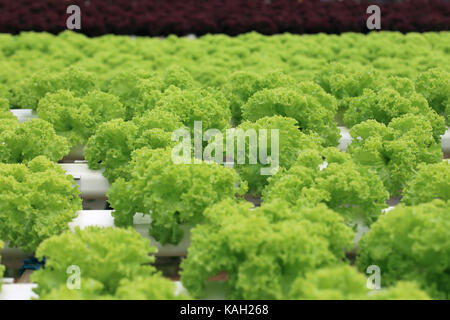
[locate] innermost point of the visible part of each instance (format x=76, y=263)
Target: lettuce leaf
x=37, y=201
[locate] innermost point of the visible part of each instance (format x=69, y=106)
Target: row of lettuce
x=280, y=250
x=292, y=247
x=212, y=59
x=181, y=17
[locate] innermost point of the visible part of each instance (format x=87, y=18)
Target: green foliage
x=343, y=65
x=4, y=109
x=291, y=141
x=396, y=150
x=2, y=268
x=152, y=287
x=413, y=244
x=172, y=194
x=148, y=288
x=345, y=81
x=262, y=250
x=29, y=91
x=434, y=85
x=447, y=111
x=344, y=282
x=431, y=181
x=104, y=256
x=90, y=290
x=207, y=106
x=37, y=201
x=133, y=91
x=307, y=103
x=389, y=103
x=23, y=142
x=76, y=118
x=340, y=282
x=344, y=186
x=126, y=96
x=139, y=91
x=242, y=85
x=111, y=146
x=403, y=290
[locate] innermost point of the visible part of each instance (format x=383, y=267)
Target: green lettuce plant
x=431, y=182
x=434, y=85
x=37, y=201
x=262, y=251
x=172, y=194
x=149, y=288
x=90, y=290
x=291, y=142
x=331, y=177
x=242, y=85
x=208, y=106
x=153, y=287
x=307, y=103
x=2, y=267
x=342, y=68
x=345, y=81
x=4, y=109
x=27, y=93
x=344, y=282
x=111, y=146
x=411, y=243
x=389, y=103
x=76, y=118
x=103, y=256
x=23, y=142
x=341, y=282
x=402, y=290
x=396, y=150
x=139, y=91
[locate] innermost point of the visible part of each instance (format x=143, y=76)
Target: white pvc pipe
x=17, y=291
x=345, y=139
x=104, y=218
x=24, y=115
x=445, y=141
x=92, y=184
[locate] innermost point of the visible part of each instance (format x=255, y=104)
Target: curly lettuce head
x=432, y=181
x=37, y=201
x=278, y=142
x=103, y=256
x=111, y=146
x=20, y=143
x=396, y=150
x=412, y=244
x=172, y=194
x=262, y=251
x=331, y=177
